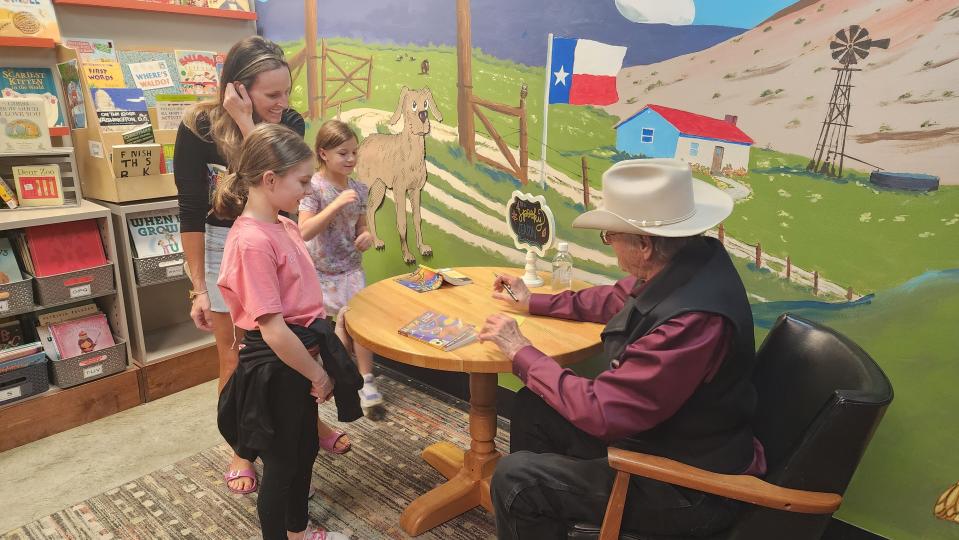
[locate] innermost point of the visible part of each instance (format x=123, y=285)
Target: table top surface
x=377, y=313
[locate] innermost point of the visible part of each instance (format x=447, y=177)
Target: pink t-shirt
x=267, y=269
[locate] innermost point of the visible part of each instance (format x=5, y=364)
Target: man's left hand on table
x=503, y=331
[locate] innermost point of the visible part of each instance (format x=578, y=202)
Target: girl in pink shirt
x=268, y=282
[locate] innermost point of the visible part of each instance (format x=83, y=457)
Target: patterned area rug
x=362, y=492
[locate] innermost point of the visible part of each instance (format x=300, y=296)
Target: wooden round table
x=374, y=317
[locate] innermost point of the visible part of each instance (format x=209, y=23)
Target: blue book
x=27, y=82
x=9, y=269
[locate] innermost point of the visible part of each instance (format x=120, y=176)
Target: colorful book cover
x=38, y=185
x=155, y=235
x=422, y=279
x=65, y=247
x=131, y=57
x=7, y=195
x=26, y=82
x=139, y=135
x=233, y=5
x=220, y=60
x=103, y=75
x=119, y=109
x=9, y=269
x=152, y=75
x=35, y=18
x=92, y=50
x=197, y=70
x=214, y=173
x=81, y=336
x=171, y=108
x=11, y=334
x=23, y=125
x=73, y=91
x=168, y=150
x=440, y=331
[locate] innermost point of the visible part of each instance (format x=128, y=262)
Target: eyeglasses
x=606, y=236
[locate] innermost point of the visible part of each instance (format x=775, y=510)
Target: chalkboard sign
x=531, y=222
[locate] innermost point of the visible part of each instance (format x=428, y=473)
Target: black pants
x=556, y=475
x=288, y=462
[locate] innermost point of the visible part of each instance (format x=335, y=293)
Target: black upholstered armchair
x=821, y=398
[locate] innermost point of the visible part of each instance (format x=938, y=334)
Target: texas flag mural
x=584, y=71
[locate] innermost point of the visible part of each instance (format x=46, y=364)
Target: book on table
x=440, y=330
x=425, y=279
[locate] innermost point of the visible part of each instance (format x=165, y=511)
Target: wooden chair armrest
x=740, y=487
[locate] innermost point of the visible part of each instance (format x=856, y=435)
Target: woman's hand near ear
x=238, y=104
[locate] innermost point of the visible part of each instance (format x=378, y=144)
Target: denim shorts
x=214, y=241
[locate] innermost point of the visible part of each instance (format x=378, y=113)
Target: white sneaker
x=370, y=396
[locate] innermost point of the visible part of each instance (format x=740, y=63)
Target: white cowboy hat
x=658, y=197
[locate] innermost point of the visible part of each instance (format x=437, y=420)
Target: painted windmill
x=849, y=46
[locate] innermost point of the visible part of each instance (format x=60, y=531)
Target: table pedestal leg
x=468, y=472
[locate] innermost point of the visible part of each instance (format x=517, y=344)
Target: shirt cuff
x=539, y=303
x=524, y=359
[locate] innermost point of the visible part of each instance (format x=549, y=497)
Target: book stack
x=440, y=331
x=58, y=248
x=77, y=330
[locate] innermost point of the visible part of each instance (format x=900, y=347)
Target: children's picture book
x=120, y=109
x=171, y=108
x=73, y=92
x=19, y=240
x=46, y=341
x=38, y=81
x=23, y=125
x=440, y=331
x=7, y=195
x=103, y=75
x=65, y=314
x=214, y=174
x=9, y=269
x=38, y=185
x=197, y=70
x=130, y=160
x=35, y=18
x=152, y=75
x=425, y=279
x=81, y=336
x=168, y=150
x=155, y=235
x=92, y=50
x=57, y=248
x=139, y=135
x=234, y=5
x=11, y=334
x=14, y=353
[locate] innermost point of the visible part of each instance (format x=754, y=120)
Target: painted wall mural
x=833, y=124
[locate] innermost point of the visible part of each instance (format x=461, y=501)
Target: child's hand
x=347, y=196
x=364, y=241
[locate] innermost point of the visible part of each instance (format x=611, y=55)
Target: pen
x=508, y=289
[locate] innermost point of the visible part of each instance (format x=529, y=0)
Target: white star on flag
x=561, y=76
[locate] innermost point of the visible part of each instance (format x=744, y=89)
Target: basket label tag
x=82, y=290
x=174, y=271
x=93, y=371
x=10, y=393
x=4, y=305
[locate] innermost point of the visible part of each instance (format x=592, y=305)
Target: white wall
x=736, y=155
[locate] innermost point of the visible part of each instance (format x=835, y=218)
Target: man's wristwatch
x=194, y=294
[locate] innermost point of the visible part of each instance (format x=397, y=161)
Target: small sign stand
x=532, y=228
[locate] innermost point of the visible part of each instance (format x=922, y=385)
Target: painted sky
x=737, y=13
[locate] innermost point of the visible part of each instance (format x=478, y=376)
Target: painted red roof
x=698, y=125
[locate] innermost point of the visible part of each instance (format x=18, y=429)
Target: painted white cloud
x=675, y=12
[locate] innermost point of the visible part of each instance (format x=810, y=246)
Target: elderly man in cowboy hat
x=679, y=341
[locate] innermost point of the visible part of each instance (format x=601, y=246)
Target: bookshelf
x=139, y=5
x=50, y=412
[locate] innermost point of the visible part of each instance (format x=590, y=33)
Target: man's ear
x=646, y=246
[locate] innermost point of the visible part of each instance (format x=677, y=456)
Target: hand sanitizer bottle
x=562, y=268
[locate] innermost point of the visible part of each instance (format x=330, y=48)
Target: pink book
x=80, y=336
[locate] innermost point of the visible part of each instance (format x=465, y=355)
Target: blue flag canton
x=561, y=69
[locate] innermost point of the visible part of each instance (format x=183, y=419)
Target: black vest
x=711, y=430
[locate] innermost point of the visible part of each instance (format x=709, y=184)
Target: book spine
x=7, y=194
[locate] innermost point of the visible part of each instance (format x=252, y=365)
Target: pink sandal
x=233, y=475
x=328, y=443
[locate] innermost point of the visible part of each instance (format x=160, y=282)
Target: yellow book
x=7, y=195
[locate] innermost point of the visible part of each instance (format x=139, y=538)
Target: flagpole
x=549, y=79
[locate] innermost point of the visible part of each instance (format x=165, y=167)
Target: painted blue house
x=663, y=132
